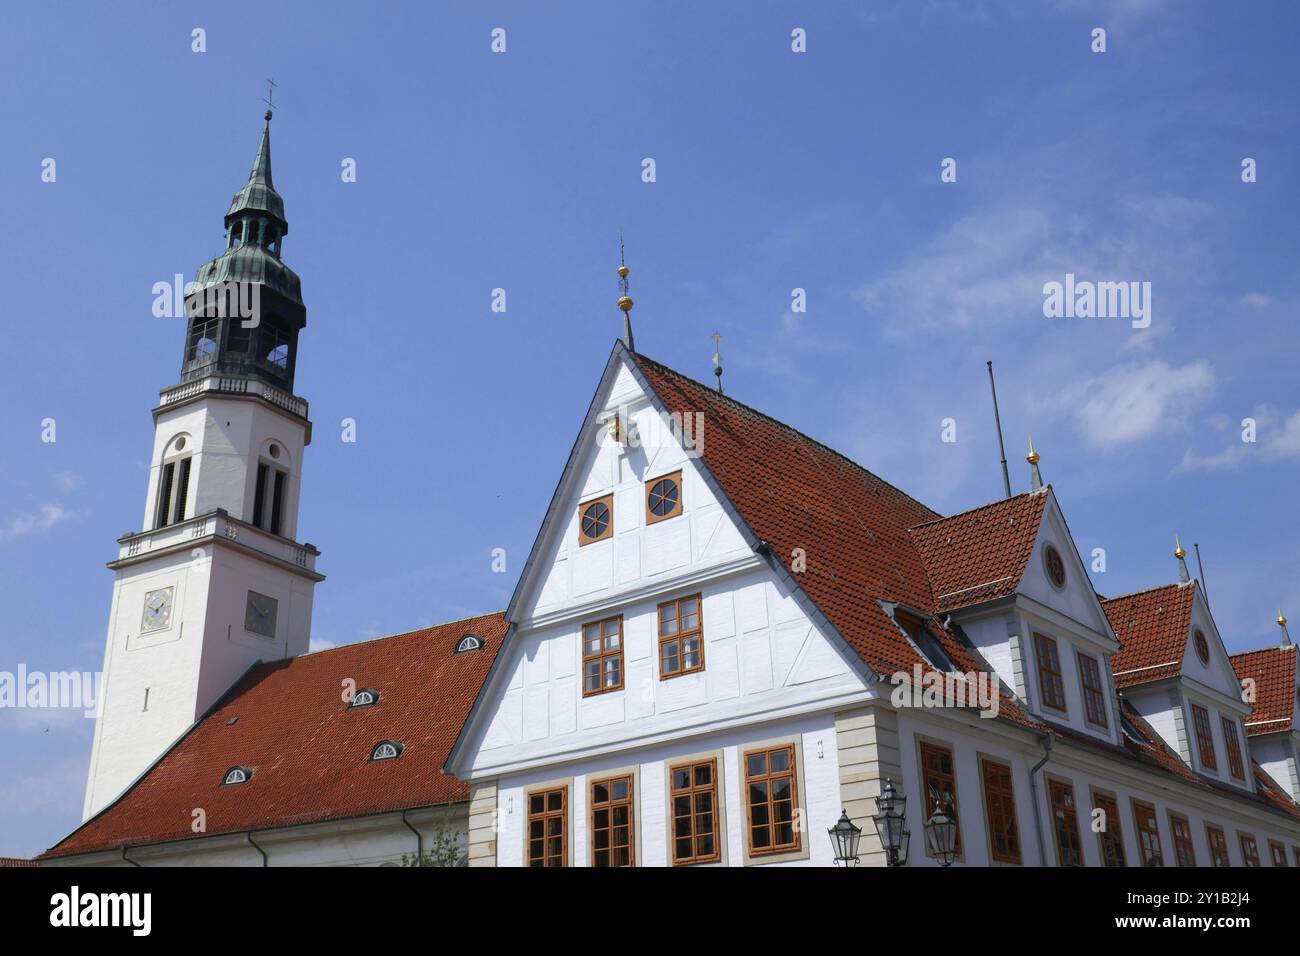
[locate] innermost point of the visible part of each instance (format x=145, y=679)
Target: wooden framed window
x=1184, y=852
x=1065, y=823
x=694, y=796
x=1249, y=849
x=1094, y=697
x=663, y=498
x=1111, y=835
x=1049, y=672
x=1000, y=807
x=596, y=520
x=1233, y=745
x=772, y=797
x=1218, y=846
x=1148, y=834
x=681, y=637
x=613, y=840
x=1204, y=739
x=602, y=656
x=1277, y=853
x=939, y=781
x=548, y=827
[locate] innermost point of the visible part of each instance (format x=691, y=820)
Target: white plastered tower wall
x=157, y=684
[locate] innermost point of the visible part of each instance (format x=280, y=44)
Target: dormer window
x=386, y=750
x=235, y=776
x=1233, y=743
x=364, y=698
x=1094, y=696
x=596, y=520
x=1204, y=739
x=470, y=642
x=925, y=641
x=1049, y=672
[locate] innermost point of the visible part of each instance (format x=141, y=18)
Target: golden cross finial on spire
x=624, y=300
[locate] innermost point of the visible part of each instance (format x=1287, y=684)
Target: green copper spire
x=258, y=194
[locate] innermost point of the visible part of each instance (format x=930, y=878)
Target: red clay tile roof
x=15, y=861
x=309, y=753
x=980, y=555
x=796, y=493
x=1274, y=672
x=1152, y=628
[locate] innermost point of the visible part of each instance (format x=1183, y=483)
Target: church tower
x=217, y=579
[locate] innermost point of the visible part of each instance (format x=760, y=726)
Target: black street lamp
x=844, y=837
x=891, y=826
x=941, y=835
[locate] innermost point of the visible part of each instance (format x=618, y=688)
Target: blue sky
x=775, y=171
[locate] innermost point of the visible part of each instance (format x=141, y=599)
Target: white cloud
x=1277, y=438
x=67, y=481
x=47, y=517
x=1256, y=300
x=320, y=644
x=1133, y=402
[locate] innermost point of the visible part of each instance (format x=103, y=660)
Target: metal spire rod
x=1006, y=475
x=1201, y=572
x=717, y=358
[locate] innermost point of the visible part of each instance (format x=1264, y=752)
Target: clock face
x=157, y=610
x=259, y=615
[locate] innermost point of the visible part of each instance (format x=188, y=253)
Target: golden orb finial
x=1281, y=618
x=1179, y=553
x=1032, y=457
x=623, y=271
x=625, y=303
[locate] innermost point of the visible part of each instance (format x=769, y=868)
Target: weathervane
x=270, y=94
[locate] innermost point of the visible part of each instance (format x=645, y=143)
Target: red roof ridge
x=1264, y=650
x=389, y=637
x=1154, y=587
x=790, y=428
x=983, y=507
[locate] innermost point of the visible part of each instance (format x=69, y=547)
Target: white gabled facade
x=773, y=675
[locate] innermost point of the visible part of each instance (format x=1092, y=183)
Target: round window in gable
x=387, y=750
x=1202, y=648
x=595, y=520
x=470, y=642
x=364, y=698
x=235, y=776
x=1055, y=566
x=663, y=497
